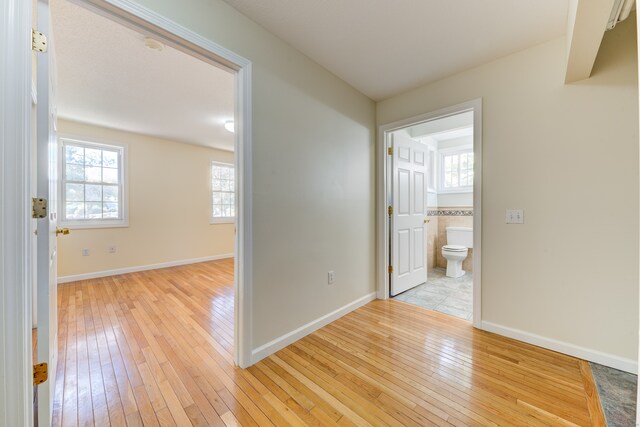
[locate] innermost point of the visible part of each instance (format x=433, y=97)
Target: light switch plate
x=515, y=216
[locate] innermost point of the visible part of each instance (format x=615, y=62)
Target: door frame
x=150, y=23
x=383, y=193
x=15, y=161
x=16, y=375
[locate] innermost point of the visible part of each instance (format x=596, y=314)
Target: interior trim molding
x=383, y=172
x=115, y=272
x=591, y=355
x=130, y=13
x=293, y=336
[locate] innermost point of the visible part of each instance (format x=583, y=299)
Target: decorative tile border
x=450, y=212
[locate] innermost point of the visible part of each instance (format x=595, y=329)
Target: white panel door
x=47, y=182
x=408, y=228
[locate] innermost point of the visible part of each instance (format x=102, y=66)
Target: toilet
x=459, y=240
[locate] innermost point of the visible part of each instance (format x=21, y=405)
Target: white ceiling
x=107, y=77
x=384, y=47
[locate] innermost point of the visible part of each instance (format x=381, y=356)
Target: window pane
x=454, y=162
x=217, y=198
x=93, y=174
x=92, y=157
x=447, y=164
x=217, y=211
x=110, y=193
x=463, y=178
x=109, y=175
x=74, y=154
x=447, y=179
x=463, y=161
x=93, y=210
x=93, y=193
x=110, y=210
x=74, y=192
x=75, y=173
x=74, y=210
x=454, y=179
x=110, y=159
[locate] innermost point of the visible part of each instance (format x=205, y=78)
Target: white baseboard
x=293, y=336
x=106, y=273
x=621, y=363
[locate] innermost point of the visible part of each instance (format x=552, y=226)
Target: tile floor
x=443, y=294
x=617, y=390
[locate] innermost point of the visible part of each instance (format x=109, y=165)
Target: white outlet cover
x=331, y=277
x=515, y=216
x=85, y=252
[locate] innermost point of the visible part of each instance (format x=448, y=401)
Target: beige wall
x=169, y=207
x=561, y=153
x=313, y=174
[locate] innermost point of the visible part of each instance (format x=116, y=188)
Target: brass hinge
x=390, y=269
x=38, y=207
x=390, y=151
x=38, y=41
x=40, y=373
x=390, y=210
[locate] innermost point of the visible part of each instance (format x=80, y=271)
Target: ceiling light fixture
x=153, y=44
x=230, y=126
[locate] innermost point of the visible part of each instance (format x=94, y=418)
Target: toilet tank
x=462, y=236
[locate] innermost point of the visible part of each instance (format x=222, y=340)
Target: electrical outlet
x=112, y=249
x=515, y=216
x=331, y=277
x=85, y=252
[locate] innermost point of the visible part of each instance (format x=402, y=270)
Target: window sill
x=222, y=221
x=92, y=225
x=456, y=191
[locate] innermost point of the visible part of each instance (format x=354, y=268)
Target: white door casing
x=408, y=227
x=47, y=182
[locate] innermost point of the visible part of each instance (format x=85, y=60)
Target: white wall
x=313, y=174
x=568, y=156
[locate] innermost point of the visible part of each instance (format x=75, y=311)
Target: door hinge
x=391, y=269
x=38, y=41
x=390, y=151
x=38, y=207
x=390, y=210
x=40, y=373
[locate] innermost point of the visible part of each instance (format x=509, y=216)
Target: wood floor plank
x=155, y=348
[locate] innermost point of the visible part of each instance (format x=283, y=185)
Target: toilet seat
x=454, y=248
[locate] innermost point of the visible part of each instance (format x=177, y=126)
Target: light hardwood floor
x=155, y=348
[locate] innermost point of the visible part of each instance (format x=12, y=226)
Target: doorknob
x=63, y=231
x=426, y=220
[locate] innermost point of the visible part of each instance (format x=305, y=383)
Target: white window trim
x=227, y=219
x=447, y=152
x=94, y=223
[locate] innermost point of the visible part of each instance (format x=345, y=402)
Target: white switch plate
x=515, y=216
x=331, y=277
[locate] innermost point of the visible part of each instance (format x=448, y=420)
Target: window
x=456, y=171
x=223, y=193
x=93, y=191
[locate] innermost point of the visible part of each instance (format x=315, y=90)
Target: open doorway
x=431, y=194
x=142, y=158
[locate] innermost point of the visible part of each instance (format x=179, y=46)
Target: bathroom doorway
x=431, y=182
